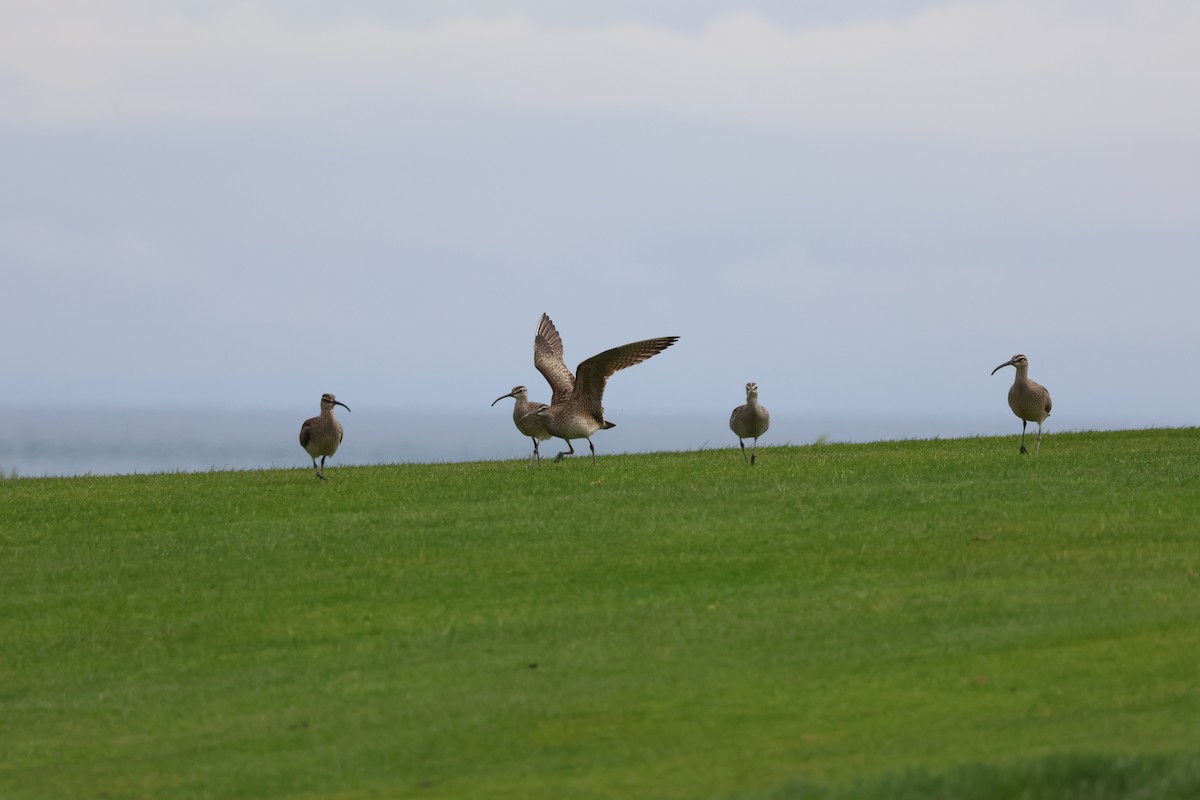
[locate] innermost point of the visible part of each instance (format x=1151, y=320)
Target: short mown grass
x=898, y=619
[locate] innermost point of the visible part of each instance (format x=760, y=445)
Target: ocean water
x=119, y=441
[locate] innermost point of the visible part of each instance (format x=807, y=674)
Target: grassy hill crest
x=897, y=619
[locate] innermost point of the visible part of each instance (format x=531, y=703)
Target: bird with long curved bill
x=525, y=418
x=321, y=435
x=1029, y=400
x=576, y=409
x=750, y=421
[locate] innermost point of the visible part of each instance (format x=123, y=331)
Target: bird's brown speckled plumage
x=321, y=435
x=525, y=417
x=750, y=421
x=1028, y=399
x=576, y=410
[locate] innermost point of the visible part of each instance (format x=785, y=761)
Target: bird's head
x=751, y=390
x=1017, y=361
x=328, y=401
x=519, y=392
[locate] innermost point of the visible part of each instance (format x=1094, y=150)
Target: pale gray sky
x=862, y=206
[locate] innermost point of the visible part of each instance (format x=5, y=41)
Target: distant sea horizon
x=65, y=441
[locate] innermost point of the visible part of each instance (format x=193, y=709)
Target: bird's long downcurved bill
x=1008, y=363
x=340, y=403
x=501, y=397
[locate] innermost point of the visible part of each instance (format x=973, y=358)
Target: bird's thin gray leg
x=316, y=469
x=569, y=452
x=743, y=446
x=593, y=449
x=321, y=471
x=754, y=452
x=1038, y=449
x=1024, y=422
x=536, y=455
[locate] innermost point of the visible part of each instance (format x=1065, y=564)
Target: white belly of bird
x=574, y=427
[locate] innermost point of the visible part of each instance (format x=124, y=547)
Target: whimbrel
x=750, y=420
x=576, y=409
x=1028, y=400
x=526, y=419
x=320, y=436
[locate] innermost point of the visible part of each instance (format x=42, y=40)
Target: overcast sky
x=864, y=206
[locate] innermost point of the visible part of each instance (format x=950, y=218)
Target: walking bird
x=750, y=420
x=525, y=418
x=576, y=409
x=1028, y=400
x=321, y=435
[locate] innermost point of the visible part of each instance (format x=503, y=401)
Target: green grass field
x=901, y=619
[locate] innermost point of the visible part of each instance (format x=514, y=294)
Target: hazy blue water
x=37, y=442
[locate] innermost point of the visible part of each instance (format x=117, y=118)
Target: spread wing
x=595, y=372
x=548, y=358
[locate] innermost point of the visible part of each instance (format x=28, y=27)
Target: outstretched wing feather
x=548, y=358
x=594, y=373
